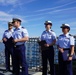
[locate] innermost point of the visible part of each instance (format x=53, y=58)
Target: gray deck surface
x=2, y=72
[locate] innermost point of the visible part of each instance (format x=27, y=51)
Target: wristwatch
x=70, y=55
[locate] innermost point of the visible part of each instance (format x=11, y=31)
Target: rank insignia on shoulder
x=70, y=35
x=6, y=30
x=61, y=35
x=23, y=27
x=52, y=30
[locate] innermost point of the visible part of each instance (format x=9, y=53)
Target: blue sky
x=33, y=14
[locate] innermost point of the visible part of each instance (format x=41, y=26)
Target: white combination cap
x=48, y=22
x=65, y=25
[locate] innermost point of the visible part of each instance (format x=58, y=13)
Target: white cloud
x=55, y=7
x=11, y=10
x=15, y=2
x=29, y=1
x=64, y=1
x=35, y=19
x=66, y=9
x=11, y=2
x=8, y=17
x=5, y=18
x=4, y=14
x=53, y=11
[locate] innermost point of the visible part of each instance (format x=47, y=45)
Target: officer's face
x=10, y=27
x=65, y=30
x=48, y=26
x=15, y=23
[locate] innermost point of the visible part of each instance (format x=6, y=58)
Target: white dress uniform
x=8, y=48
x=48, y=52
x=19, y=33
x=8, y=33
x=20, y=51
x=48, y=36
x=65, y=41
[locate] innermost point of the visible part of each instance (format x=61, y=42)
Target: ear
x=68, y=30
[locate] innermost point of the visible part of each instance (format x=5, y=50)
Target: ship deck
x=2, y=72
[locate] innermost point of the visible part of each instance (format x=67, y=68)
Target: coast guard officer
x=65, y=43
x=48, y=51
x=8, y=45
x=20, y=36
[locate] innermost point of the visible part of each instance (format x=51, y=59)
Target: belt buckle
x=15, y=46
x=67, y=54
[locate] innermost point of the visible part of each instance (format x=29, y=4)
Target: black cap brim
x=47, y=23
x=16, y=19
x=10, y=25
x=13, y=22
x=65, y=27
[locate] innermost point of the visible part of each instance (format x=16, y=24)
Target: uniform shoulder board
x=52, y=30
x=70, y=35
x=6, y=30
x=61, y=35
x=43, y=32
x=14, y=29
x=23, y=27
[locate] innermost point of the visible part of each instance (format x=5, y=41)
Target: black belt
x=18, y=45
x=66, y=49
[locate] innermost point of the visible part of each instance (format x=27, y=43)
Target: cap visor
x=61, y=27
x=47, y=23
